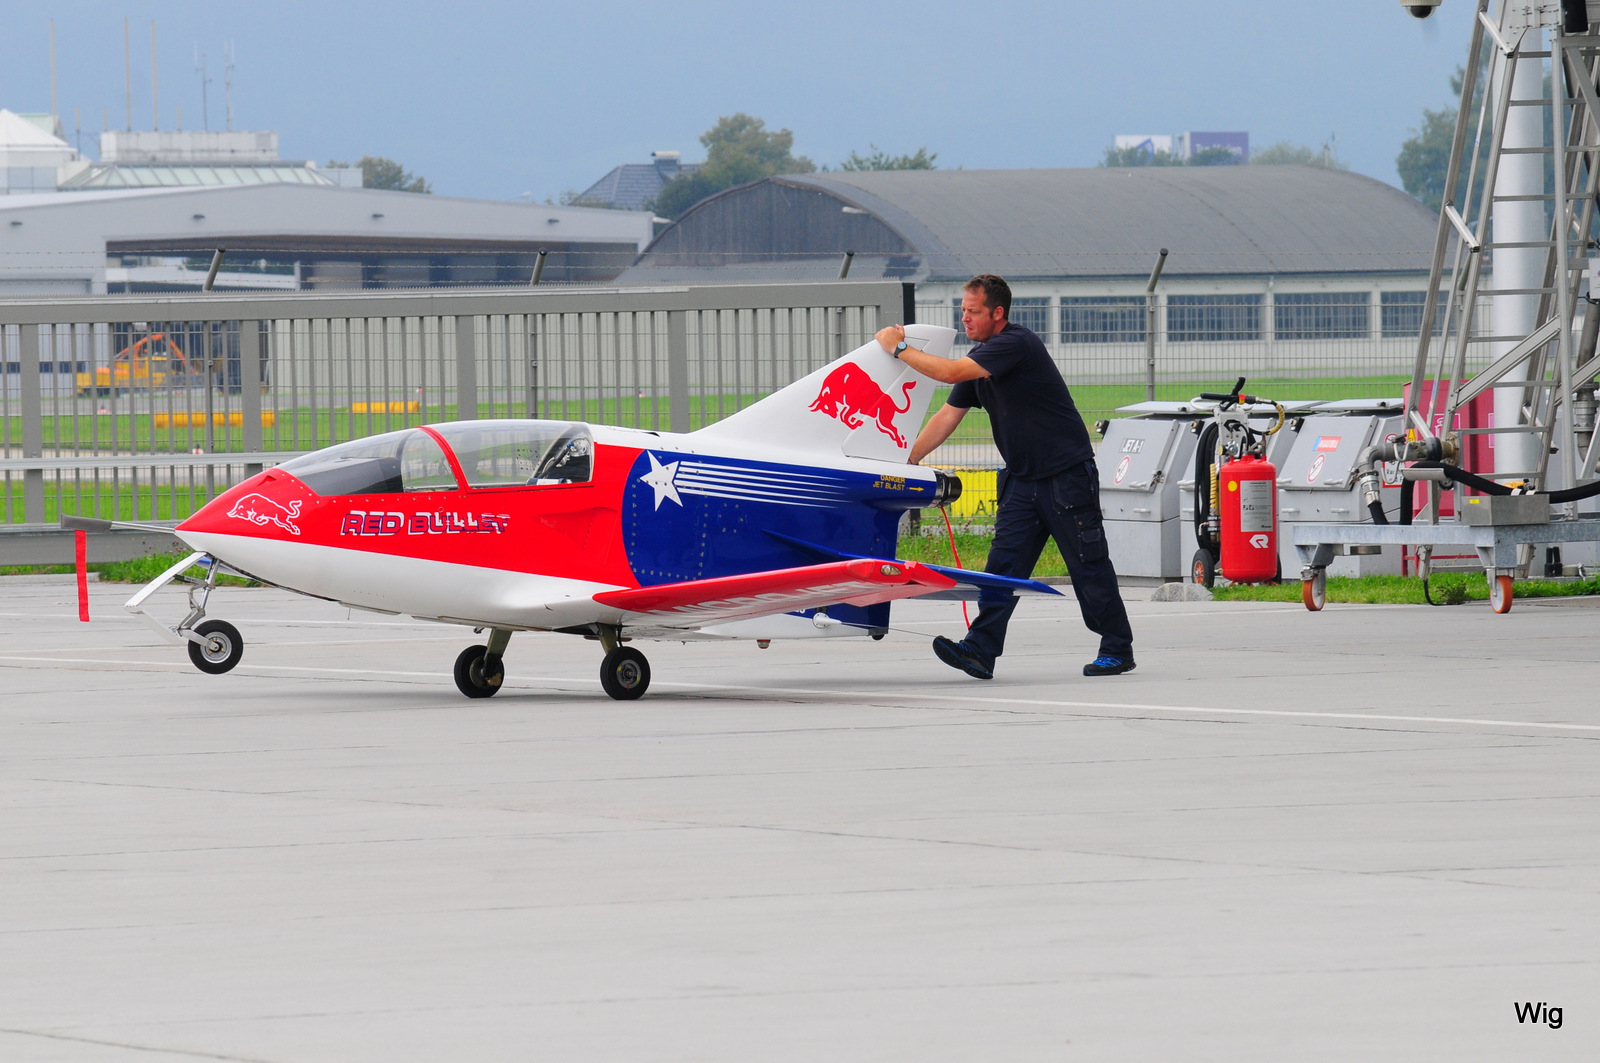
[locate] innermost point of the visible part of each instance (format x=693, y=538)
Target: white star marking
x=660, y=478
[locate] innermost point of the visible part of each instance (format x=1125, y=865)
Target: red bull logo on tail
x=259, y=509
x=848, y=394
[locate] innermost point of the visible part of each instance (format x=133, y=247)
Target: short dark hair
x=996, y=292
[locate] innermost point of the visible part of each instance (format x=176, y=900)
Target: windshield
x=518, y=453
x=393, y=463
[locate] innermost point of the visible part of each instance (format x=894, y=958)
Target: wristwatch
x=898, y=348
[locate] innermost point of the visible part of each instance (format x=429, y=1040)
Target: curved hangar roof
x=951, y=224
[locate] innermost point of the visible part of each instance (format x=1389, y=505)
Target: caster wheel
x=625, y=674
x=1314, y=591
x=1500, y=593
x=477, y=674
x=222, y=649
x=1203, y=569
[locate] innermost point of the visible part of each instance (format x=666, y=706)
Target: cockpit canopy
x=491, y=454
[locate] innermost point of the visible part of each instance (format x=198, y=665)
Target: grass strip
x=1452, y=588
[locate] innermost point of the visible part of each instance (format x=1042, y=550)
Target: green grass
x=139, y=570
x=1444, y=587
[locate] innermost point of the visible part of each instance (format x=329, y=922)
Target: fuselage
x=518, y=523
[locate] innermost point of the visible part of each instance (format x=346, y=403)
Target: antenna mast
x=227, y=82
x=155, y=83
x=54, y=107
x=127, y=73
x=205, y=79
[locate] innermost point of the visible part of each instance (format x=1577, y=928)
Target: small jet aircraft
x=780, y=521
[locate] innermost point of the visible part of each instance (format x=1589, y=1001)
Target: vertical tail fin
x=867, y=404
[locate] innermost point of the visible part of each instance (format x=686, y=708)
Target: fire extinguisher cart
x=1236, y=493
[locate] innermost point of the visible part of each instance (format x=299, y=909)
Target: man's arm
x=944, y=370
x=937, y=430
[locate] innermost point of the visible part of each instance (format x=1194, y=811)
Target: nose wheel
x=625, y=674
x=219, y=649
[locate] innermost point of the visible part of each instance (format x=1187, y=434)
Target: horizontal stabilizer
x=695, y=603
x=968, y=583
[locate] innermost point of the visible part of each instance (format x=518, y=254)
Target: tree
x=1213, y=156
x=739, y=149
x=1136, y=156
x=378, y=172
x=879, y=160
x=1424, y=158
x=1283, y=153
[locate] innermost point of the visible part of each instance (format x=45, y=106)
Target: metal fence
x=1290, y=346
x=146, y=407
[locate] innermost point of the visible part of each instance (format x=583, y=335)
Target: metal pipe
x=844, y=267
x=538, y=267
x=1150, y=328
x=216, y=264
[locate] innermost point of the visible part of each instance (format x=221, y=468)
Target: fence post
x=32, y=423
x=466, y=369
x=678, y=369
x=250, y=390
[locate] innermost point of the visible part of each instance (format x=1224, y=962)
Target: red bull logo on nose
x=848, y=394
x=259, y=509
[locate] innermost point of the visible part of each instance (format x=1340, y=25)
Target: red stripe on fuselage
x=571, y=531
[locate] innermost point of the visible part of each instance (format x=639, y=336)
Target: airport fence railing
x=1296, y=346
x=145, y=407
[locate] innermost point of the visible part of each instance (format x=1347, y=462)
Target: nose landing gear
x=215, y=646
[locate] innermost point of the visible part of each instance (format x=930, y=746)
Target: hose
x=1378, y=515
x=1489, y=487
x=1204, y=455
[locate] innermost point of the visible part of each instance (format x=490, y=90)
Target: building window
x=1103, y=319
x=1213, y=318
x=1400, y=314
x=1320, y=315
x=1032, y=312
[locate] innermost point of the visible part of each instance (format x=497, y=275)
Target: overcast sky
x=495, y=99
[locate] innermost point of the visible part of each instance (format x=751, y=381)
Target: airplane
x=780, y=521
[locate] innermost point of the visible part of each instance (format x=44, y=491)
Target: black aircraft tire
x=625, y=674
x=476, y=676
x=222, y=649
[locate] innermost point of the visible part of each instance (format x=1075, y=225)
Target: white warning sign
x=1255, y=505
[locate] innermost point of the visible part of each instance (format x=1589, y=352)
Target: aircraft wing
x=696, y=603
x=966, y=584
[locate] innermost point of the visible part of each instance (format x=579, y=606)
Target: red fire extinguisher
x=1248, y=490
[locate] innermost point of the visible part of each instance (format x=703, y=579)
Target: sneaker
x=957, y=655
x=1108, y=665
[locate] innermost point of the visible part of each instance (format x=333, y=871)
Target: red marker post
x=81, y=540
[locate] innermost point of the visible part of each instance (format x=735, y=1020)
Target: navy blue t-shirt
x=1036, y=424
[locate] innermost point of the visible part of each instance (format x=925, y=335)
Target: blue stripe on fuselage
x=687, y=517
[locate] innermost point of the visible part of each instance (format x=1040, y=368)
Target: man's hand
x=890, y=337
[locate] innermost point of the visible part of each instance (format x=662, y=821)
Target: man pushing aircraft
x=1052, y=488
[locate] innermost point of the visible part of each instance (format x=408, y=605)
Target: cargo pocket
x=1091, y=534
x=1076, y=495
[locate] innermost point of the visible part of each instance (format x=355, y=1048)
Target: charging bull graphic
x=851, y=396
x=259, y=509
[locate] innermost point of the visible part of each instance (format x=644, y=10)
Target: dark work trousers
x=1065, y=507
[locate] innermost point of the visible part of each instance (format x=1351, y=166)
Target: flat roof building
x=300, y=236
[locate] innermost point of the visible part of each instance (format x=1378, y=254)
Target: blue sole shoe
x=958, y=656
x=1106, y=665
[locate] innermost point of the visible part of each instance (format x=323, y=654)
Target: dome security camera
x=1420, y=8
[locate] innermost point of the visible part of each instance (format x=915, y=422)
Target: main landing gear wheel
x=222, y=649
x=625, y=674
x=1314, y=591
x=1500, y=593
x=1203, y=569
x=477, y=674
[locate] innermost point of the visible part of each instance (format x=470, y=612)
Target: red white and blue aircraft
x=777, y=522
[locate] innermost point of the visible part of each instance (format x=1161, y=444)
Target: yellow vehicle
x=146, y=364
